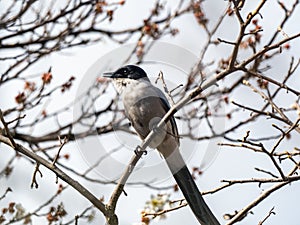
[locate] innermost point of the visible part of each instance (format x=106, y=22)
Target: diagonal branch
x=59, y=173
x=256, y=201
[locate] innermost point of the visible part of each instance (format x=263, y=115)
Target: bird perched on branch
x=145, y=105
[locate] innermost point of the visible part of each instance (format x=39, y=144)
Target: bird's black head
x=129, y=71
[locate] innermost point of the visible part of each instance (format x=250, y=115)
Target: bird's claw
x=139, y=151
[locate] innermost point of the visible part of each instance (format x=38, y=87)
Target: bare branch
x=255, y=202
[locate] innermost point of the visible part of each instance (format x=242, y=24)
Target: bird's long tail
x=194, y=198
x=188, y=187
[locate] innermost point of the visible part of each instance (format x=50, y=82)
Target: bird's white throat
x=122, y=84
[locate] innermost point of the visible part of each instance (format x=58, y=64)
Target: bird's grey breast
x=138, y=98
x=142, y=103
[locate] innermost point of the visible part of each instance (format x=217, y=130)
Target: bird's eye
x=125, y=71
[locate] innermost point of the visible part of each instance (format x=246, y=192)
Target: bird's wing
x=166, y=106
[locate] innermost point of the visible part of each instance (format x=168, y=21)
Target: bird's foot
x=139, y=151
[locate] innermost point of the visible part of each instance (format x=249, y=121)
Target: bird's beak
x=108, y=74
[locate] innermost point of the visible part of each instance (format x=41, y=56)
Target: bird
x=145, y=105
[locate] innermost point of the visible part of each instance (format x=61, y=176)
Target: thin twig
x=34, y=183
x=156, y=214
x=62, y=143
x=161, y=77
x=5, y=193
x=7, y=130
x=271, y=212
